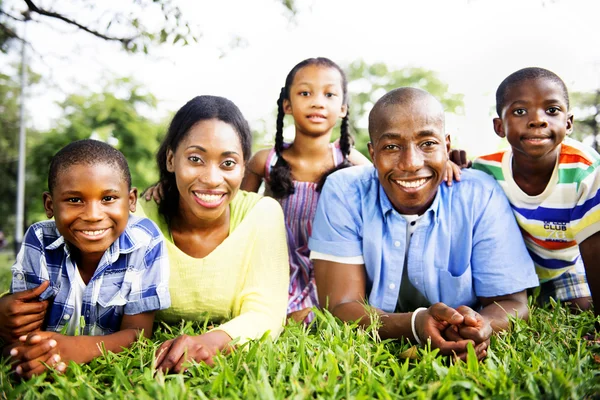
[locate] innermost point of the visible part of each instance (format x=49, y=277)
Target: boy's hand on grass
x=35, y=353
x=174, y=353
x=22, y=313
x=154, y=192
x=432, y=324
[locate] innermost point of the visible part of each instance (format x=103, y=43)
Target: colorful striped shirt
x=299, y=211
x=131, y=278
x=566, y=213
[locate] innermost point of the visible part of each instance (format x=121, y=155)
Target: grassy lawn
x=546, y=358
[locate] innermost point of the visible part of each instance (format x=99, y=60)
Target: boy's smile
x=535, y=119
x=90, y=205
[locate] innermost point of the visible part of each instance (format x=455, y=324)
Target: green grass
x=546, y=358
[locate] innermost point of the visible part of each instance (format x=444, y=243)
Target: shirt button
x=19, y=276
x=67, y=317
x=397, y=243
x=392, y=286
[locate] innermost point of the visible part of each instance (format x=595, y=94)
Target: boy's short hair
x=87, y=152
x=522, y=75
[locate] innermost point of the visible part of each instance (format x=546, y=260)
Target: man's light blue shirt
x=466, y=245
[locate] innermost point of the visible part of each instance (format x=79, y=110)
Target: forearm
x=83, y=349
x=498, y=313
x=393, y=325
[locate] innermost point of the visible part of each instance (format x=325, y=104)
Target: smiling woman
x=227, y=247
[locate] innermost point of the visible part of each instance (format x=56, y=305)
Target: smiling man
x=445, y=263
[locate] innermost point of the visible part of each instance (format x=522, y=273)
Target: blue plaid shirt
x=131, y=278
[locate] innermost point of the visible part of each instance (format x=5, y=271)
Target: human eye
x=553, y=110
x=519, y=111
x=194, y=159
x=428, y=143
x=108, y=198
x=390, y=147
x=304, y=93
x=330, y=94
x=229, y=164
x=74, y=200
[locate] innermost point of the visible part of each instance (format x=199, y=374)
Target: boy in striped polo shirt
x=552, y=183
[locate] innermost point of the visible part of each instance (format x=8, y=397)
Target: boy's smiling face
x=90, y=205
x=409, y=150
x=535, y=119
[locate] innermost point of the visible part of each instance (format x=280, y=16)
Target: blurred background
x=117, y=70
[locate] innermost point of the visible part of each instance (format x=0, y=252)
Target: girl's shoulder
x=357, y=158
x=257, y=162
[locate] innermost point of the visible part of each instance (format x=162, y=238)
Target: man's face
x=409, y=150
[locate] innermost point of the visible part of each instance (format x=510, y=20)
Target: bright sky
x=472, y=44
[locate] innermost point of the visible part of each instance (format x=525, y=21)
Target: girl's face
x=208, y=165
x=316, y=99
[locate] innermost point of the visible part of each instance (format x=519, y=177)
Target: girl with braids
x=316, y=96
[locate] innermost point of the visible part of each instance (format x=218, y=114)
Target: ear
x=133, y=195
x=170, y=157
x=287, y=106
x=499, y=128
x=344, y=110
x=569, y=123
x=371, y=151
x=448, y=143
x=48, y=205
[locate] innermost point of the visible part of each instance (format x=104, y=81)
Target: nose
x=317, y=101
x=93, y=211
x=538, y=120
x=411, y=159
x=212, y=176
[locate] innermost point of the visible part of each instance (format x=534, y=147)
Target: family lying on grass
x=441, y=262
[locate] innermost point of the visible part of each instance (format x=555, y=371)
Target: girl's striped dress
x=299, y=211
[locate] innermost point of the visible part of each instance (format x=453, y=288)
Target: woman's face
x=208, y=165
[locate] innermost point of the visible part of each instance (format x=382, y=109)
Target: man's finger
x=443, y=313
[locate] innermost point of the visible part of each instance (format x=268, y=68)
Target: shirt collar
x=387, y=207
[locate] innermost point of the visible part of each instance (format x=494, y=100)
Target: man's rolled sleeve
x=337, y=225
x=500, y=262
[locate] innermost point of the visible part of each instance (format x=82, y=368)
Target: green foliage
x=546, y=358
x=368, y=82
x=114, y=115
x=586, y=109
x=9, y=145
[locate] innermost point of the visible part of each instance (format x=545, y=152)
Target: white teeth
x=412, y=184
x=208, y=198
x=94, y=233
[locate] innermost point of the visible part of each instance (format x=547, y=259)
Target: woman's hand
x=172, y=354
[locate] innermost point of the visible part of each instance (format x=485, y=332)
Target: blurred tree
x=136, y=25
x=368, y=82
x=116, y=116
x=586, y=108
x=9, y=139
